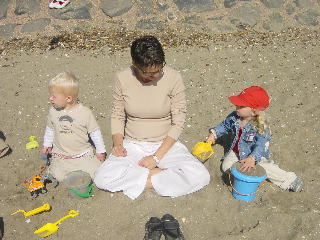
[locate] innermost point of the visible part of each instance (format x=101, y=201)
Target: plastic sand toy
x=33, y=143
x=203, y=150
x=44, y=207
x=50, y=228
x=38, y=182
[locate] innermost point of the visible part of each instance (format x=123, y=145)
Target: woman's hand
x=119, y=151
x=211, y=138
x=248, y=164
x=148, y=162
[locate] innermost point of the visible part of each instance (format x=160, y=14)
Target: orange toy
x=38, y=183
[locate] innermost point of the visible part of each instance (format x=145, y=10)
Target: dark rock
x=3, y=8
x=6, y=31
x=114, y=8
x=308, y=18
x=195, y=5
x=290, y=9
x=27, y=6
x=272, y=3
x=304, y=3
x=76, y=10
x=276, y=18
x=36, y=25
x=231, y=3
x=148, y=24
x=245, y=16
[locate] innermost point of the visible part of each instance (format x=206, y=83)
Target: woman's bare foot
x=151, y=173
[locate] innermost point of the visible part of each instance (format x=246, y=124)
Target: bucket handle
x=242, y=194
x=86, y=194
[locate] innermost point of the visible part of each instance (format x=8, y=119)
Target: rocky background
x=20, y=18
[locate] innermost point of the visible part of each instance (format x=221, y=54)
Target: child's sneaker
x=58, y=3
x=296, y=185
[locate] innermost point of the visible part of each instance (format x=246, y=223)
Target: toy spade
x=203, y=150
x=32, y=143
x=51, y=228
x=44, y=207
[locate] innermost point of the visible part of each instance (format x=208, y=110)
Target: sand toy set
x=49, y=228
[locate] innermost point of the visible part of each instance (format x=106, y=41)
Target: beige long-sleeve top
x=148, y=111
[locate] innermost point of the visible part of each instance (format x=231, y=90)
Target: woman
x=149, y=110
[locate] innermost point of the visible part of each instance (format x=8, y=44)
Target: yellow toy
x=203, y=150
x=32, y=143
x=44, y=207
x=51, y=228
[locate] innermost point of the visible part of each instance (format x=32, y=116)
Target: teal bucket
x=244, y=187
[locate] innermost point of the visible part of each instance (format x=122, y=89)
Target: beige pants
x=60, y=167
x=276, y=175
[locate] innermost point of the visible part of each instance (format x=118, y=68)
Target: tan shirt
x=148, y=111
x=71, y=129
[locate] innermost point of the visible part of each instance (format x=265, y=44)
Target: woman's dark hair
x=147, y=51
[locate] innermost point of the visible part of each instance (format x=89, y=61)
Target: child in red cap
x=250, y=144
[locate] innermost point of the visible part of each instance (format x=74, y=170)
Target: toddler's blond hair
x=260, y=123
x=67, y=83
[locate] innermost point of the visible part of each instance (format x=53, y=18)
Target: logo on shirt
x=65, y=124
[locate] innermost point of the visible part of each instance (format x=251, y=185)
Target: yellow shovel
x=51, y=228
x=44, y=207
x=203, y=150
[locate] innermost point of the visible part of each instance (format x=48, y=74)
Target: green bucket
x=79, y=183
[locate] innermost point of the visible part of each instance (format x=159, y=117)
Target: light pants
x=60, y=167
x=183, y=173
x=276, y=175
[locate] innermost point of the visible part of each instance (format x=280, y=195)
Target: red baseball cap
x=254, y=97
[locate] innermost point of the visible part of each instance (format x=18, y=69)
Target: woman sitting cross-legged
x=149, y=110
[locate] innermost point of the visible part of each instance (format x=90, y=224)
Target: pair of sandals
x=167, y=225
x=58, y=3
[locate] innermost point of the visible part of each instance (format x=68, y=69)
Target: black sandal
x=171, y=229
x=153, y=229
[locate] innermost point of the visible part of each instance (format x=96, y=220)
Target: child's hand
x=147, y=162
x=101, y=156
x=248, y=164
x=211, y=138
x=46, y=150
x=119, y=151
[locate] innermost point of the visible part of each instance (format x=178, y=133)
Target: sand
x=288, y=70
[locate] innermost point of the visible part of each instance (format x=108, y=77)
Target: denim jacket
x=251, y=143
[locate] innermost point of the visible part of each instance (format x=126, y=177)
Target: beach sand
x=288, y=70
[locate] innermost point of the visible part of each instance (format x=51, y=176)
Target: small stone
x=196, y=6
x=308, y=18
x=304, y=3
x=231, y=3
x=114, y=8
x=4, y=4
x=6, y=31
x=36, y=25
x=290, y=9
x=27, y=6
x=272, y=3
x=245, y=16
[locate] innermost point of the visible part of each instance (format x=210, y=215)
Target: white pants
x=183, y=173
x=276, y=175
